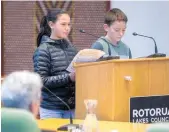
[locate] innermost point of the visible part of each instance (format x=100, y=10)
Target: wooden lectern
x=113, y=82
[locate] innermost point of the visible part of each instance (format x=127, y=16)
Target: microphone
x=105, y=57
x=64, y=127
x=136, y=34
x=83, y=31
x=156, y=54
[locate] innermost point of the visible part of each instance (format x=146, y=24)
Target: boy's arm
x=97, y=45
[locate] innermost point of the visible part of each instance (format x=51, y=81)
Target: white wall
x=150, y=18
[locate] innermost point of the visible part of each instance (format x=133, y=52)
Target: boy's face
x=116, y=30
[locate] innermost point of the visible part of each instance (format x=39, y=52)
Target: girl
x=53, y=55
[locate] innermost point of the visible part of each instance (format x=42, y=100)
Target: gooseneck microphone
x=156, y=54
x=64, y=127
x=105, y=57
x=83, y=31
x=136, y=34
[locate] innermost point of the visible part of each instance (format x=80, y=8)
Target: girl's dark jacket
x=51, y=60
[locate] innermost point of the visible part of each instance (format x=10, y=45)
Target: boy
x=115, y=26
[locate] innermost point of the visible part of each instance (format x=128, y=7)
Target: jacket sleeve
x=41, y=61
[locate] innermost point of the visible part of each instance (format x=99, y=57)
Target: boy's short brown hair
x=113, y=15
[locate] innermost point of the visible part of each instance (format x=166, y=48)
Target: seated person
x=115, y=26
x=22, y=90
x=18, y=120
x=158, y=127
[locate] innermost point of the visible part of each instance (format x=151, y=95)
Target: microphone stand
x=105, y=57
x=156, y=54
x=64, y=127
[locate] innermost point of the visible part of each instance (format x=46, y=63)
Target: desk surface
x=104, y=126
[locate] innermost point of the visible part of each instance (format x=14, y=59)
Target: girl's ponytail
x=44, y=30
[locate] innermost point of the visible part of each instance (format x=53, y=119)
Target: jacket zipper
x=66, y=58
x=65, y=54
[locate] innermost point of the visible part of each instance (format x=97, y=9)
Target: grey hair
x=21, y=88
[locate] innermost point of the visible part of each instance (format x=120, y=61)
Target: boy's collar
x=107, y=40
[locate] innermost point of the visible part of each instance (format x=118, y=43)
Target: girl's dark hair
x=113, y=15
x=52, y=15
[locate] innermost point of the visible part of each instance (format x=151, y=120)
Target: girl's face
x=61, y=28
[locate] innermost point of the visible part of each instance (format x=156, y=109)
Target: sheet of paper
x=85, y=55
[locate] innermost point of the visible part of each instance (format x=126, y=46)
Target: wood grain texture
x=105, y=82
